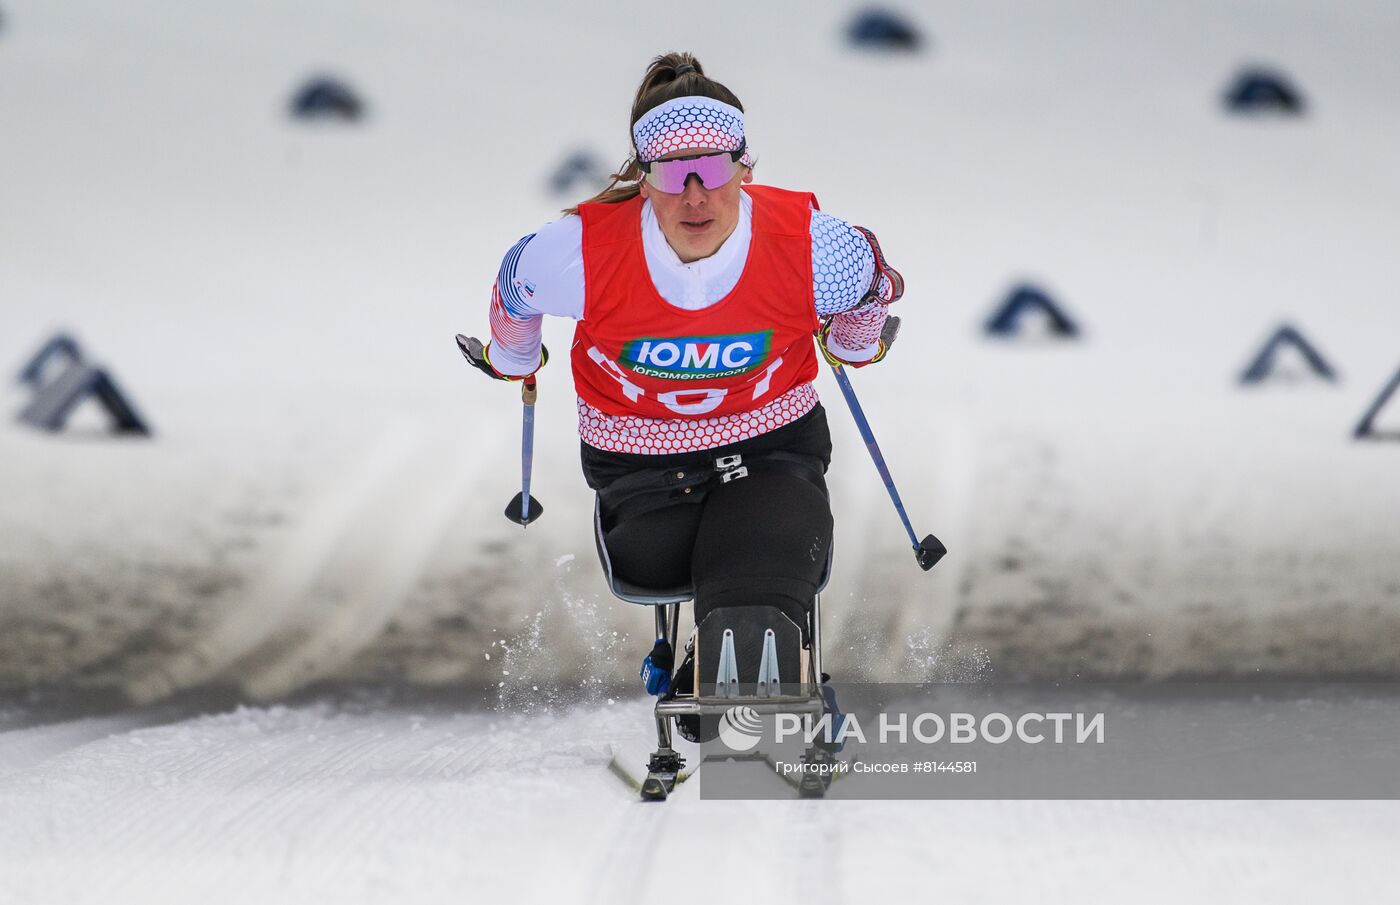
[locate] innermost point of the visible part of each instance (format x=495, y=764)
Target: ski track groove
x=290, y=761
x=626, y=861
x=819, y=829
x=305, y=794
x=359, y=515
x=358, y=750
x=123, y=810
x=454, y=764
x=295, y=781
x=373, y=566
x=136, y=812
x=628, y=852
x=264, y=610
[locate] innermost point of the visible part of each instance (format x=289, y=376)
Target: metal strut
x=727, y=679
x=768, y=676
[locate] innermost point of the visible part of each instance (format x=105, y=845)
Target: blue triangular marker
x=1263, y=91
x=325, y=98
x=1366, y=429
x=60, y=346
x=55, y=401
x=1265, y=363
x=1006, y=320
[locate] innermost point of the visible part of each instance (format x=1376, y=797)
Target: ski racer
x=697, y=294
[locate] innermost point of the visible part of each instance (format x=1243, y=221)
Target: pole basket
x=929, y=551
x=516, y=507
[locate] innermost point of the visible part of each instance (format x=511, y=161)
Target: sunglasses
x=713, y=170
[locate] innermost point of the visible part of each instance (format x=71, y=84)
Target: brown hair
x=659, y=85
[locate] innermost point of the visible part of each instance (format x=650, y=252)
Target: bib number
x=682, y=402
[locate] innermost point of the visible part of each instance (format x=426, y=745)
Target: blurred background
x=1140, y=392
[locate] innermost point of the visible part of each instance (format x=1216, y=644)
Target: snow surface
x=367, y=801
x=321, y=500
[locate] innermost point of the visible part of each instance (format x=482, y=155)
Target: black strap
x=649, y=489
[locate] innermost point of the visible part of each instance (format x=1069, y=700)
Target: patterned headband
x=690, y=122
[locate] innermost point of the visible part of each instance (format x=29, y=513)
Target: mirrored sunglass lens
x=713, y=171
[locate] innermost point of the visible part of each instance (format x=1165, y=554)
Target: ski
x=655, y=776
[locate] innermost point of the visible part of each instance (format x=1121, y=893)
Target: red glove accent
x=891, y=288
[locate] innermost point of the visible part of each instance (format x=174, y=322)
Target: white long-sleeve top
x=543, y=274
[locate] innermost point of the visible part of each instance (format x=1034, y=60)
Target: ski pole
x=928, y=551
x=523, y=508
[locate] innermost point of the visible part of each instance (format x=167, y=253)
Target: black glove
x=478, y=356
x=889, y=332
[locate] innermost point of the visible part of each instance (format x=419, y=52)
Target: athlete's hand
x=479, y=357
x=888, y=332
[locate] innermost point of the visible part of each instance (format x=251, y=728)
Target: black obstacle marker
x=1266, y=364
x=1007, y=320
x=56, y=400
x=578, y=169
x=883, y=29
x=327, y=98
x=1258, y=90
x=1388, y=403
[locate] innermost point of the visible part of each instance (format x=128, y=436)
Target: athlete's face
x=698, y=220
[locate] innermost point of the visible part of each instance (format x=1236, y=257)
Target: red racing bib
x=635, y=353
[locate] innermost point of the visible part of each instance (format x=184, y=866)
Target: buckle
x=728, y=461
x=733, y=473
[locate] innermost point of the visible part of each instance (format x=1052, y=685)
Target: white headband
x=690, y=122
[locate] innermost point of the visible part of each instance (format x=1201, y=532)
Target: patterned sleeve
x=852, y=285
x=541, y=274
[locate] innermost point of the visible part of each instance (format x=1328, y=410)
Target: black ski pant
x=761, y=539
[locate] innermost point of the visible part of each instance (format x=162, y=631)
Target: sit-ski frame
x=665, y=763
x=668, y=625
